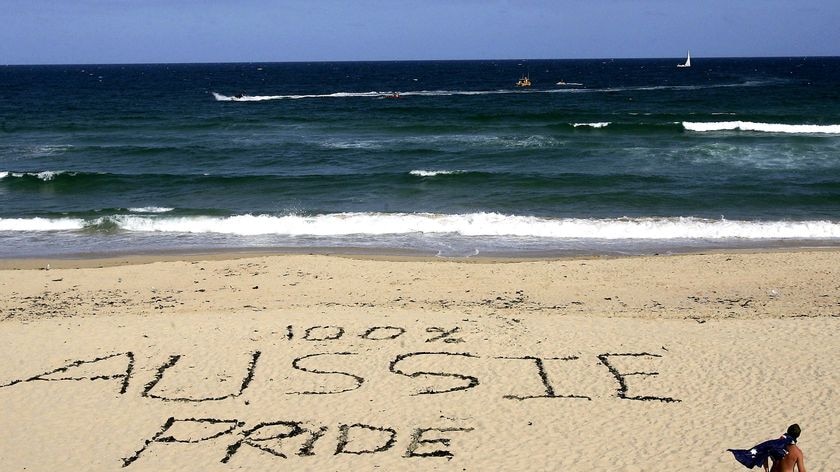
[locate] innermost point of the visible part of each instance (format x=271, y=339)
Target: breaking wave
x=41, y=224
x=600, y=124
x=45, y=176
x=433, y=173
x=761, y=127
x=150, y=209
x=471, y=224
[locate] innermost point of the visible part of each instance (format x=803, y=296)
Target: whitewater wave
x=600, y=124
x=433, y=173
x=470, y=224
x=41, y=224
x=150, y=209
x=761, y=127
x=46, y=175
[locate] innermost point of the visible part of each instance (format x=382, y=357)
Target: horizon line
x=407, y=60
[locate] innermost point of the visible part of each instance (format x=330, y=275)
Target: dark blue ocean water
x=443, y=157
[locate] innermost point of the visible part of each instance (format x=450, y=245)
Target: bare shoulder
x=794, y=451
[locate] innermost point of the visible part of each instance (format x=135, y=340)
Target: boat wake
x=573, y=87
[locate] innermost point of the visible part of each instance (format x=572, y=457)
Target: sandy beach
x=324, y=362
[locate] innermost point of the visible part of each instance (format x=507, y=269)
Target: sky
x=157, y=31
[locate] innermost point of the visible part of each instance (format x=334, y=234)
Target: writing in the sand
x=374, y=333
x=120, y=368
x=341, y=372
x=286, y=438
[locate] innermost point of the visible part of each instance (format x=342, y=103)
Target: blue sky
x=131, y=31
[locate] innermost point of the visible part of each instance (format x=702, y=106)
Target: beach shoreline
x=131, y=257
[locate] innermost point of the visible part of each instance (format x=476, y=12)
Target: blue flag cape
x=755, y=457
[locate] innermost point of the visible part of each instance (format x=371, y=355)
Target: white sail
x=687, y=60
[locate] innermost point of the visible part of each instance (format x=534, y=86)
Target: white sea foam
x=432, y=173
x=364, y=144
x=471, y=224
x=485, y=224
x=534, y=141
x=758, y=155
x=49, y=149
x=761, y=127
x=41, y=224
x=150, y=209
x=46, y=175
x=600, y=124
x=446, y=140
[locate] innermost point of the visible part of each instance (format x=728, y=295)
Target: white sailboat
x=687, y=60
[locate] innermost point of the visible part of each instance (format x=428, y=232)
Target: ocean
x=444, y=158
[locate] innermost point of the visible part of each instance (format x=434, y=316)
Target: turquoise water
x=622, y=156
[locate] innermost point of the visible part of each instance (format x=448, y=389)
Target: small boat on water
x=687, y=62
x=523, y=81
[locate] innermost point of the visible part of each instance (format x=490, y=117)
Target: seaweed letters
x=307, y=363
x=285, y=438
